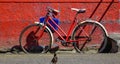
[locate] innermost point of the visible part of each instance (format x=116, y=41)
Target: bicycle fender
x=42, y=24
x=96, y=23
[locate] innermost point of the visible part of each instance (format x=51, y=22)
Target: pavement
x=63, y=58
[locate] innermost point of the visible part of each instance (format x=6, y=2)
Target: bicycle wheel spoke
x=34, y=39
x=82, y=30
x=91, y=36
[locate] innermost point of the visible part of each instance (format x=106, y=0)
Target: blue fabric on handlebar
x=55, y=20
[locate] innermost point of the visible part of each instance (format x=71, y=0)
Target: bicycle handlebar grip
x=56, y=11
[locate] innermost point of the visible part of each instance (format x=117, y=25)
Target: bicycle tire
x=96, y=38
x=28, y=39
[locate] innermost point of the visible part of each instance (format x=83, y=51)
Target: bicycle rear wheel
x=36, y=39
x=90, y=37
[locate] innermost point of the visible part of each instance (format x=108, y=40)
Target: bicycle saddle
x=78, y=10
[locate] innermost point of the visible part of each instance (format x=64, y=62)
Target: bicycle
x=85, y=35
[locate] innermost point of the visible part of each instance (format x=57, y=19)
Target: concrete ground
x=63, y=58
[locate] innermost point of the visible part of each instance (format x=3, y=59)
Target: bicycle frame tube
x=69, y=31
x=42, y=32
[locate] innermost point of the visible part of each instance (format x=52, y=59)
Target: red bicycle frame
x=67, y=35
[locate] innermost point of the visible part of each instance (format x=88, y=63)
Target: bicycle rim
x=34, y=40
x=90, y=38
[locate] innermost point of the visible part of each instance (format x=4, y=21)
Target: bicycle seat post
x=77, y=12
x=75, y=18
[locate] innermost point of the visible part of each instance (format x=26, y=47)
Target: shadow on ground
x=111, y=47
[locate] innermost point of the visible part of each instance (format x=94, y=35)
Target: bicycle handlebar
x=54, y=11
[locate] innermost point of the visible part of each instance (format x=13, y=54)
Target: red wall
x=16, y=14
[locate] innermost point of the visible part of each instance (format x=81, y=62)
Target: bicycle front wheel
x=36, y=39
x=89, y=37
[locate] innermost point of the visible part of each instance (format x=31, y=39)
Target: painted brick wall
x=16, y=14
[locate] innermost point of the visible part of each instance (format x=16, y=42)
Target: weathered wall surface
x=16, y=14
